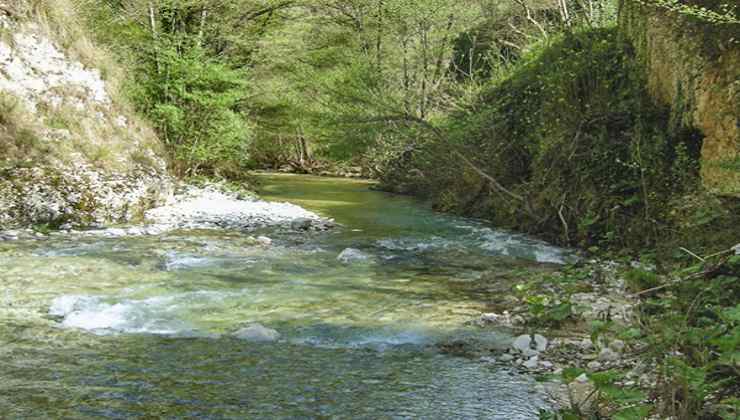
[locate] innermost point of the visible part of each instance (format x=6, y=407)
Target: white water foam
x=156, y=315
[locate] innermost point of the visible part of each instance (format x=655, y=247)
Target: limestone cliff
x=70, y=150
x=694, y=68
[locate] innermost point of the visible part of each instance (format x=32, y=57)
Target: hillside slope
x=72, y=151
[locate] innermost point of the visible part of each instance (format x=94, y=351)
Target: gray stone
x=506, y=357
x=525, y=345
x=532, y=363
x=617, y=345
x=257, y=333
x=586, y=344
x=522, y=343
x=545, y=364
x=302, y=223
x=608, y=355
x=594, y=365
x=350, y=255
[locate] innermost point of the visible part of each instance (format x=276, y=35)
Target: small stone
x=522, y=343
x=617, y=345
x=545, y=364
x=540, y=343
x=736, y=248
x=594, y=365
x=528, y=347
x=352, y=255
x=608, y=355
x=264, y=241
x=302, y=223
x=506, y=357
x=586, y=344
x=532, y=363
x=257, y=333
x=582, y=379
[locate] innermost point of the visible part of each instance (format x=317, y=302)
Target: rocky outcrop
x=694, y=69
x=71, y=151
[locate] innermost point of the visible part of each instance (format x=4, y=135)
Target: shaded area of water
x=136, y=327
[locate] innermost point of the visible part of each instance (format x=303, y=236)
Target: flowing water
x=141, y=327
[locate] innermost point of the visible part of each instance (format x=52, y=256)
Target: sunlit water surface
x=140, y=327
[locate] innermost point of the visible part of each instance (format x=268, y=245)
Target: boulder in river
x=351, y=255
x=257, y=333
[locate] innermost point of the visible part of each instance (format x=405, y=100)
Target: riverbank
x=610, y=331
x=194, y=207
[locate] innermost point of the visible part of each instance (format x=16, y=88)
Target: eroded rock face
x=87, y=160
x=693, y=69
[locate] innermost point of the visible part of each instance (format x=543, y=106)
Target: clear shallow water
x=137, y=327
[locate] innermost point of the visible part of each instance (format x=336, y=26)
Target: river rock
x=264, y=241
x=350, y=255
x=302, y=223
x=525, y=345
x=608, y=355
x=532, y=363
x=257, y=333
x=617, y=345
x=586, y=344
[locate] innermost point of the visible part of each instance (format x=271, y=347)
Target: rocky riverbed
x=194, y=208
x=570, y=325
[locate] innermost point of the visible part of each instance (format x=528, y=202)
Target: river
x=141, y=327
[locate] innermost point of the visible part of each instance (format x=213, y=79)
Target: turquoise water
x=142, y=327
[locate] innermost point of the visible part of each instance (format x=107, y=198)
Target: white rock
x=545, y=364
x=594, y=365
x=540, y=343
x=506, y=357
x=532, y=363
x=257, y=333
x=522, y=343
x=608, y=355
x=528, y=347
x=350, y=255
x=582, y=379
x=264, y=241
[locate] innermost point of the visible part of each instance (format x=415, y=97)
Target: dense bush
x=572, y=132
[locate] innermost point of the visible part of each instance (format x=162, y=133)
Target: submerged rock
x=350, y=255
x=257, y=333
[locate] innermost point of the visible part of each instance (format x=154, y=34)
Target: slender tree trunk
x=201, y=30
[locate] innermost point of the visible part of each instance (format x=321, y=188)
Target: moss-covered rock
x=693, y=67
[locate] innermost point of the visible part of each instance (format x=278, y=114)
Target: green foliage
x=694, y=333
x=571, y=130
x=193, y=94
x=716, y=12
x=638, y=280
x=194, y=102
